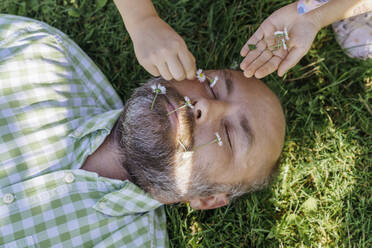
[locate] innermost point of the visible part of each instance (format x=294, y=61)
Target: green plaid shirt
x=56, y=108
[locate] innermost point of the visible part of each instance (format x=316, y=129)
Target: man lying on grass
x=76, y=170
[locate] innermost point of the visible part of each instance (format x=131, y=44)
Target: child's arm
x=336, y=10
x=302, y=30
x=158, y=48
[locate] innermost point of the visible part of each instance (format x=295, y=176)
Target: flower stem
x=153, y=101
x=183, y=146
x=176, y=109
x=209, y=143
x=275, y=47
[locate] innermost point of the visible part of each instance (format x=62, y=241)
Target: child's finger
x=164, y=71
x=175, y=68
x=188, y=62
x=253, y=40
x=152, y=70
x=293, y=57
x=261, y=46
x=281, y=53
x=257, y=63
x=269, y=67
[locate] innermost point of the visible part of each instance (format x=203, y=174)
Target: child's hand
x=265, y=59
x=161, y=51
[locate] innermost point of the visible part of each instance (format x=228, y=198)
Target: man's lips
x=173, y=116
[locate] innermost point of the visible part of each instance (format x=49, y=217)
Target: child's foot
x=355, y=35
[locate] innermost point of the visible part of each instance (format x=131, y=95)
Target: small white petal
x=214, y=82
x=162, y=89
x=278, y=33
x=286, y=33
x=284, y=45
x=219, y=140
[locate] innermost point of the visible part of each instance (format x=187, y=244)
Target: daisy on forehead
x=202, y=76
x=157, y=89
x=217, y=140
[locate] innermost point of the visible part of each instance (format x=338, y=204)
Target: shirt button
x=102, y=205
x=8, y=198
x=69, y=178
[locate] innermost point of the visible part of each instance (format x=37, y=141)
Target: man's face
x=244, y=112
x=247, y=116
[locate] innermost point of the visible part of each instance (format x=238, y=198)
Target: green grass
x=322, y=197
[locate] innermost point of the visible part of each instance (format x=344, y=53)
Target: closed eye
x=211, y=90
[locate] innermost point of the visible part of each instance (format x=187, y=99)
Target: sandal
x=354, y=35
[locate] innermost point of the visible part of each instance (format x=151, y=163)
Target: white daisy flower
x=200, y=75
x=188, y=102
x=157, y=89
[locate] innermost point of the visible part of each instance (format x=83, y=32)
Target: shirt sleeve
x=304, y=6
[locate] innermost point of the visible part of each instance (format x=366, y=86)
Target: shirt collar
x=128, y=200
x=102, y=121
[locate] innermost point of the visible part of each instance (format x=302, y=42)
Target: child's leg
x=353, y=34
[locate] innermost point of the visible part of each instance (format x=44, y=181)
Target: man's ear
x=209, y=202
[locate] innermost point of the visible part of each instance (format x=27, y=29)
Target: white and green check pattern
x=56, y=108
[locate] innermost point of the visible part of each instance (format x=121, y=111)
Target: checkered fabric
x=56, y=108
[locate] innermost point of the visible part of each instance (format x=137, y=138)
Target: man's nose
x=206, y=110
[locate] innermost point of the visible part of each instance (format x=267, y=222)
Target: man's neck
x=106, y=160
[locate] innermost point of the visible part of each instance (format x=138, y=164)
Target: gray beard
x=145, y=140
